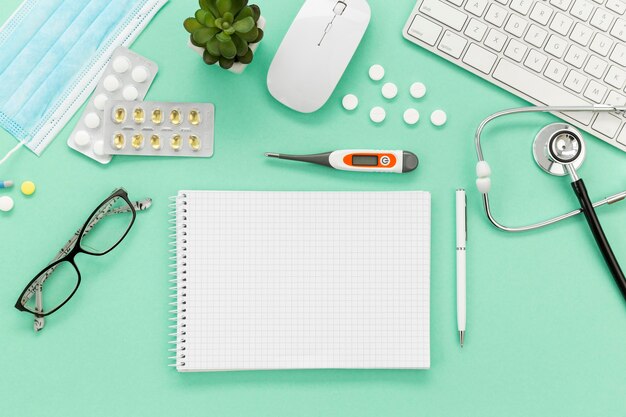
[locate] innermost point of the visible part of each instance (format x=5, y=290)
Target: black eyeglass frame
x=76, y=248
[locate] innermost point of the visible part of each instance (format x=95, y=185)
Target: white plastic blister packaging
x=159, y=129
x=128, y=76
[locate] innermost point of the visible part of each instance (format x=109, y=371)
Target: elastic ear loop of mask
x=12, y=151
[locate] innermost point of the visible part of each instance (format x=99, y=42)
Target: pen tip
x=271, y=155
x=461, y=337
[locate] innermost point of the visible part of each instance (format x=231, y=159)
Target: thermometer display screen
x=365, y=160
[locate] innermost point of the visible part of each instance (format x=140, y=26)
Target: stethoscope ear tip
x=483, y=172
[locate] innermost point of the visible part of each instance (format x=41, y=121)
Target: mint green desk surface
x=546, y=325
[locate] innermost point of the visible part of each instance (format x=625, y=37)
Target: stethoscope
x=559, y=149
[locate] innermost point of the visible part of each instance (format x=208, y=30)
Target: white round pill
x=111, y=83
x=417, y=90
x=390, y=90
x=81, y=138
x=6, y=203
x=92, y=120
x=121, y=64
x=140, y=74
x=377, y=114
x=98, y=148
x=130, y=93
x=377, y=72
x=350, y=102
x=411, y=116
x=100, y=101
x=438, y=117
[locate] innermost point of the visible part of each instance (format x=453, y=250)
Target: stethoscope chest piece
x=558, y=145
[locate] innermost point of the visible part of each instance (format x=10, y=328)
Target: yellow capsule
x=155, y=142
x=194, y=143
x=175, y=116
x=157, y=116
x=119, y=116
x=176, y=142
x=137, y=141
x=194, y=117
x=139, y=115
x=118, y=141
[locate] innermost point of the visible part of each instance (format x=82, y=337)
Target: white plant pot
x=237, y=67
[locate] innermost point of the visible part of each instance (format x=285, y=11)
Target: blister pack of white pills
x=128, y=76
x=159, y=128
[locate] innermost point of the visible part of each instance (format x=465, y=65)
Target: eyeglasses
x=105, y=228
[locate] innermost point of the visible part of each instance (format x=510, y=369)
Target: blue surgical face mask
x=52, y=53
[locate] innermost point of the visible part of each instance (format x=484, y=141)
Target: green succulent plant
x=225, y=29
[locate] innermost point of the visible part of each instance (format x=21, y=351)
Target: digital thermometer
x=360, y=160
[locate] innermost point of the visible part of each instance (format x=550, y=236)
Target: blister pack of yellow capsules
x=159, y=129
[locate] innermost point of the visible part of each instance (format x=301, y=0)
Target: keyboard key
x=619, y=55
x=622, y=136
x=595, y=92
x=561, y=4
x=541, y=13
x=616, y=77
x=516, y=25
x=521, y=6
x=495, y=40
x=452, y=44
x=595, y=66
x=479, y=58
x=535, y=60
x=555, y=71
x=575, y=56
x=556, y=46
x=496, y=15
x=561, y=24
x=539, y=89
x=615, y=99
x=443, y=13
x=476, y=7
x=619, y=30
x=575, y=81
x=617, y=6
x=601, y=44
x=582, y=9
x=456, y=2
x=601, y=19
x=515, y=50
x=425, y=30
x=607, y=124
x=476, y=30
x=536, y=36
x=581, y=34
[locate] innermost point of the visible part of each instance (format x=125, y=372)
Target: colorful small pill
x=28, y=188
x=118, y=141
x=139, y=115
x=194, y=117
x=194, y=143
x=157, y=116
x=155, y=142
x=137, y=141
x=119, y=115
x=176, y=142
x=175, y=116
x=6, y=203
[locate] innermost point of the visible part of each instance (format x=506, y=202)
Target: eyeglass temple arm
x=140, y=205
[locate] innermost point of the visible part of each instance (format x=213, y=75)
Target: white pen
x=461, y=240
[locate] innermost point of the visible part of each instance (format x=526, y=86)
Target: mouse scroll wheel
x=340, y=7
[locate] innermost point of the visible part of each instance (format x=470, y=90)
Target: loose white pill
x=130, y=93
x=438, y=117
x=111, y=83
x=377, y=72
x=377, y=114
x=411, y=116
x=140, y=74
x=92, y=120
x=121, y=64
x=81, y=138
x=390, y=90
x=100, y=101
x=417, y=90
x=98, y=148
x=350, y=102
x=6, y=203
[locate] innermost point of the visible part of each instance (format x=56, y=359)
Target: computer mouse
x=316, y=51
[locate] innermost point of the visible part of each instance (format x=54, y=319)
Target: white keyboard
x=556, y=52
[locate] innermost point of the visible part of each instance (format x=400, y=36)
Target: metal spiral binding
x=178, y=277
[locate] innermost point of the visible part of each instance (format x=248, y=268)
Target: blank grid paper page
x=281, y=280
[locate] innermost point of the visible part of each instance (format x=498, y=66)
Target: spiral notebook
x=300, y=280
